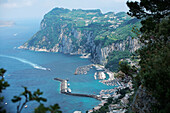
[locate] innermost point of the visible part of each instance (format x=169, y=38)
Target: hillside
x=85, y=32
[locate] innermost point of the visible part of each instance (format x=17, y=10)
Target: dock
x=63, y=86
x=64, y=90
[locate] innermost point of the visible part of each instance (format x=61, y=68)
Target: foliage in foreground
x=3, y=85
x=28, y=96
x=155, y=53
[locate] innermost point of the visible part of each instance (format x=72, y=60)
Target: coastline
x=119, y=84
x=104, y=95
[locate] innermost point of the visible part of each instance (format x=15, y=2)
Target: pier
x=64, y=90
x=63, y=86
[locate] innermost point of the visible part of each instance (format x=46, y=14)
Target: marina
x=65, y=90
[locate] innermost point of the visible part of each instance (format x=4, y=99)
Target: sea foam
x=26, y=62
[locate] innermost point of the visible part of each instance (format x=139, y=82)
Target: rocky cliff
x=100, y=54
x=83, y=32
x=143, y=101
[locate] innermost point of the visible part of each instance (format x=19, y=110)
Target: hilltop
x=85, y=32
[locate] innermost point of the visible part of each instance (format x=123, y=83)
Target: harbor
x=65, y=90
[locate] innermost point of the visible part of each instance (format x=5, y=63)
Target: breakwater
x=64, y=90
x=63, y=85
x=83, y=69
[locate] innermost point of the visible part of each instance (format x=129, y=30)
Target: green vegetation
x=114, y=57
x=123, y=92
x=52, y=109
x=105, y=108
x=126, y=68
x=3, y=85
x=119, y=33
x=28, y=96
x=154, y=71
x=106, y=28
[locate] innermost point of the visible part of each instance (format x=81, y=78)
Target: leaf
x=16, y=99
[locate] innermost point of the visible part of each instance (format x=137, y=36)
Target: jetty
x=64, y=89
x=83, y=69
x=63, y=86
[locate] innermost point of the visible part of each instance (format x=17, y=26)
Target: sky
x=36, y=9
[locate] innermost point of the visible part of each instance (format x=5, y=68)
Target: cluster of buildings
x=121, y=83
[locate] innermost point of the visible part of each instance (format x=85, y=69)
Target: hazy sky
x=35, y=9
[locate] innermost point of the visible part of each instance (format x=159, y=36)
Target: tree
x=149, y=8
x=150, y=11
x=52, y=109
x=125, y=67
x=3, y=85
x=41, y=109
x=35, y=96
x=155, y=50
x=29, y=96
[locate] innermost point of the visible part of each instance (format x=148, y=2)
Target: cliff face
x=100, y=54
x=83, y=32
x=143, y=101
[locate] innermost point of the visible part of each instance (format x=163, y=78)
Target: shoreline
x=32, y=48
x=114, y=92
x=104, y=95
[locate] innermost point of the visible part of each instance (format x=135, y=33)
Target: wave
x=26, y=62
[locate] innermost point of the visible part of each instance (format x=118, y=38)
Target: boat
x=48, y=69
x=69, y=90
x=15, y=34
x=26, y=106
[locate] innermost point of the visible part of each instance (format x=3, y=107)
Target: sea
x=28, y=68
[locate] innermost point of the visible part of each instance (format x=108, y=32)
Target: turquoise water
x=28, y=68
